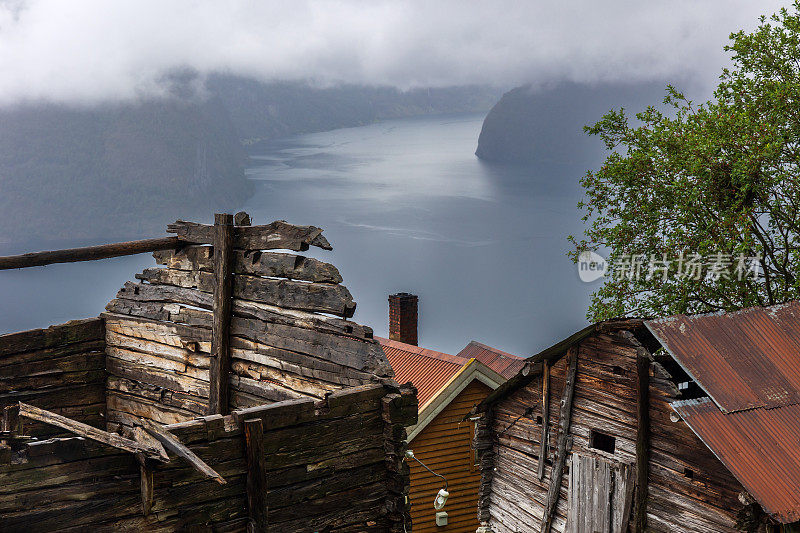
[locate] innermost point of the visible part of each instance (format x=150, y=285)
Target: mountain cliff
x=530, y=125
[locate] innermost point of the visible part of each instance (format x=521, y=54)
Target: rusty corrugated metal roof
x=742, y=360
x=761, y=447
x=428, y=370
x=505, y=364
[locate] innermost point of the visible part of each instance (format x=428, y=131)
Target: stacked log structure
x=297, y=465
x=290, y=337
x=61, y=368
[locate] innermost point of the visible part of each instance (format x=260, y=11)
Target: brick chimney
x=403, y=317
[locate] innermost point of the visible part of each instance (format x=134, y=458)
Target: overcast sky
x=86, y=50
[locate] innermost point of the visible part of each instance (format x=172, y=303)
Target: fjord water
x=407, y=207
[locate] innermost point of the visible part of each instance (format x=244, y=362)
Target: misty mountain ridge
x=124, y=170
x=545, y=125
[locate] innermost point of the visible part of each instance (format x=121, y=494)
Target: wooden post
x=256, y=476
x=642, y=439
x=561, y=446
x=220, y=330
x=545, y=417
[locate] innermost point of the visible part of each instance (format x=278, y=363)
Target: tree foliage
x=720, y=179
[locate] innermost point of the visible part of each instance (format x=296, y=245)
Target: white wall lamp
x=441, y=497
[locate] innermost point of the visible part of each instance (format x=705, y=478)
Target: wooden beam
x=642, y=439
x=561, y=446
x=221, y=322
x=89, y=432
x=89, y=253
x=545, y=418
x=171, y=443
x=256, y=475
x=145, y=469
x=273, y=236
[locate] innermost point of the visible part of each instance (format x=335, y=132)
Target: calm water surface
x=407, y=207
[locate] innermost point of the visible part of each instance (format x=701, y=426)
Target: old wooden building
x=680, y=424
x=226, y=391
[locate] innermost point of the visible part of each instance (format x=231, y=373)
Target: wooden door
x=597, y=494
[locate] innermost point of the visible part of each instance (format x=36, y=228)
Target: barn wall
x=61, y=368
x=445, y=445
x=284, y=342
x=331, y=465
x=605, y=401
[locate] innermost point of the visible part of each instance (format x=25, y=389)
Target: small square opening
x=539, y=420
x=618, y=370
x=601, y=441
x=688, y=473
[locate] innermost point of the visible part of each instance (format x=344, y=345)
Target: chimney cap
x=403, y=296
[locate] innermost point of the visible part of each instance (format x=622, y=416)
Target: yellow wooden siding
x=445, y=446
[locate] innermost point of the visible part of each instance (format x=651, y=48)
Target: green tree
x=720, y=179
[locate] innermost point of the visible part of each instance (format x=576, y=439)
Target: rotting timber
x=121, y=422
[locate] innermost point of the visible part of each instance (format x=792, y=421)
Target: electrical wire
x=431, y=471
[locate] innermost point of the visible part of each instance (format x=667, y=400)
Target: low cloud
x=83, y=51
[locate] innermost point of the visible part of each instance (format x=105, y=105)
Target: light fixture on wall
x=441, y=497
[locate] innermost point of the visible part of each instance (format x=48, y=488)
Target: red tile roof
x=427, y=369
x=505, y=364
x=747, y=363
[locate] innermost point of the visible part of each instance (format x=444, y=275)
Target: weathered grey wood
x=73, y=332
x=171, y=443
x=138, y=300
x=273, y=264
x=320, y=297
x=545, y=418
x=561, y=445
x=221, y=321
x=277, y=235
x=89, y=253
x=89, y=432
x=642, y=439
x=256, y=475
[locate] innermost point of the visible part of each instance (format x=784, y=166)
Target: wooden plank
x=75, y=331
x=89, y=253
x=89, y=432
x=258, y=263
x=642, y=439
x=557, y=472
x=314, y=297
x=277, y=235
x=171, y=443
x=256, y=475
x=221, y=321
x=545, y=418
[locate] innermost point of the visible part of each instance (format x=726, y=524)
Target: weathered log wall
x=688, y=489
x=329, y=465
x=290, y=337
x=61, y=368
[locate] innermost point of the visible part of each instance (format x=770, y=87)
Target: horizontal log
x=277, y=235
x=272, y=264
x=89, y=432
x=71, y=332
x=157, y=303
x=319, y=297
x=88, y=253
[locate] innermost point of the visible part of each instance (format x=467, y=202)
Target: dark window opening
x=618, y=370
x=539, y=420
x=690, y=390
x=688, y=473
x=602, y=442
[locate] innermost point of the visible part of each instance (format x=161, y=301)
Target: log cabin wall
x=289, y=337
x=688, y=488
x=61, y=368
x=328, y=465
